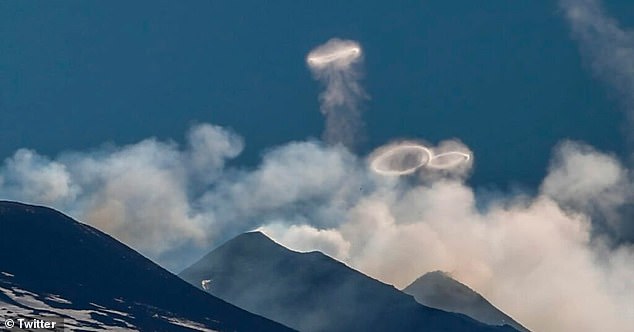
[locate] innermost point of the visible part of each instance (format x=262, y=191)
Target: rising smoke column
x=336, y=65
x=609, y=50
x=607, y=47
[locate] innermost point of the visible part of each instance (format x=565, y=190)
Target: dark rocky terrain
x=51, y=265
x=438, y=290
x=313, y=292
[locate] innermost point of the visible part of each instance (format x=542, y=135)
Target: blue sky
x=504, y=77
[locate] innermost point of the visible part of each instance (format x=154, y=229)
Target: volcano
x=314, y=292
x=54, y=266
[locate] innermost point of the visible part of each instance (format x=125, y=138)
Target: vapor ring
x=448, y=160
x=335, y=53
x=381, y=163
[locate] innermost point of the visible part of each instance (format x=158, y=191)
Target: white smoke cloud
x=309, y=238
x=609, y=50
x=209, y=148
x=336, y=64
x=531, y=257
x=30, y=176
x=534, y=257
x=583, y=179
x=143, y=194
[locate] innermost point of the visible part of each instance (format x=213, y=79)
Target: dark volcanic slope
x=439, y=290
x=313, y=292
x=52, y=264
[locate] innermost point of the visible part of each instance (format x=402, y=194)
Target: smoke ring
x=455, y=159
x=381, y=164
x=335, y=53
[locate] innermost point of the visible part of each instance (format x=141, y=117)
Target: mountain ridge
x=314, y=292
x=53, y=264
x=439, y=290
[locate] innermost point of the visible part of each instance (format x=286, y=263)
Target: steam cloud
x=533, y=257
x=336, y=65
x=538, y=257
x=140, y=193
x=609, y=50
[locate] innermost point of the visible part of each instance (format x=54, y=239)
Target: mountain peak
x=441, y=284
x=252, y=243
x=91, y=272
x=253, y=237
x=254, y=234
x=439, y=290
x=313, y=292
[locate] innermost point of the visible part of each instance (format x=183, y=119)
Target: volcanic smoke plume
x=336, y=64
